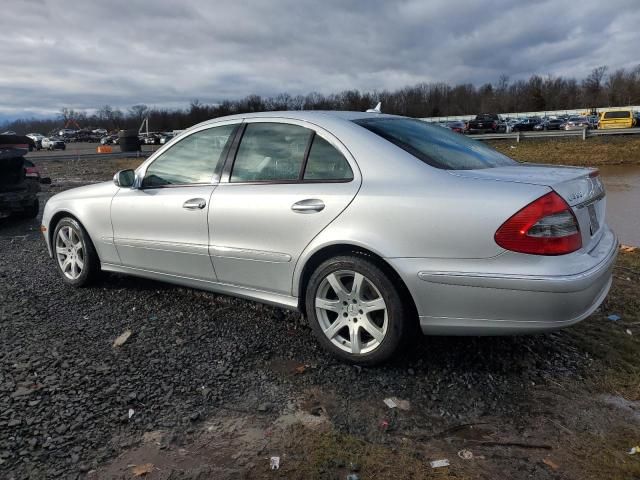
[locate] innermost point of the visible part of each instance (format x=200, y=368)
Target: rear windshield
x=435, y=146
x=617, y=114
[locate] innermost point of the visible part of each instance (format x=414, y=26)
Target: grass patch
x=328, y=455
x=595, y=151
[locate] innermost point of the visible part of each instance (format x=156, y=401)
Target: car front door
x=160, y=225
x=281, y=186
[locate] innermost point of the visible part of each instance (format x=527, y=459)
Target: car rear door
x=161, y=225
x=283, y=183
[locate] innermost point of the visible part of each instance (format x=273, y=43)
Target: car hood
x=87, y=191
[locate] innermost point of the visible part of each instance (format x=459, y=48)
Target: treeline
x=600, y=88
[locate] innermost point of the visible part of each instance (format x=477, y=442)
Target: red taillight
x=546, y=226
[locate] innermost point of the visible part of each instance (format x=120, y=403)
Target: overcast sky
x=84, y=54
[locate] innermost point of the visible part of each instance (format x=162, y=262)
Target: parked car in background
x=165, y=137
x=151, y=139
x=317, y=211
x=575, y=123
x=37, y=139
x=17, y=195
x=617, y=119
x=109, y=140
x=525, y=125
x=66, y=132
x=484, y=123
x=593, y=121
x=458, y=127
x=549, y=124
x=53, y=143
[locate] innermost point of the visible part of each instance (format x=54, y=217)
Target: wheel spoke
x=64, y=237
x=373, y=305
x=62, y=251
x=334, y=328
x=74, y=269
x=66, y=264
x=354, y=331
x=358, y=280
x=337, y=286
x=372, y=329
x=326, y=304
x=79, y=262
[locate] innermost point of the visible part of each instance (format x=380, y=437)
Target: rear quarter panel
x=406, y=208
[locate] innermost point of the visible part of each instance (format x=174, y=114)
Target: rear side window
x=325, y=162
x=438, y=147
x=622, y=114
x=191, y=161
x=270, y=152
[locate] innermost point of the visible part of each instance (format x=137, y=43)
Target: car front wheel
x=356, y=311
x=75, y=255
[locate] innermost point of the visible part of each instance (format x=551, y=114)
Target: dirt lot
x=211, y=387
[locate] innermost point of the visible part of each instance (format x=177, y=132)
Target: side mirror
x=45, y=180
x=124, y=178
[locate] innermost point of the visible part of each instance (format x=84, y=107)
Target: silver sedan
x=372, y=225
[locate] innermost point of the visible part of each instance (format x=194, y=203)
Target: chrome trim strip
x=191, y=248
x=247, y=254
x=544, y=283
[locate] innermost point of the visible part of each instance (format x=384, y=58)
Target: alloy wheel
x=70, y=252
x=351, y=312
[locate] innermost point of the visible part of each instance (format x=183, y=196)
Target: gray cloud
x=166, y=53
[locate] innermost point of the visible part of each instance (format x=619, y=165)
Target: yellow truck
x=616, y=119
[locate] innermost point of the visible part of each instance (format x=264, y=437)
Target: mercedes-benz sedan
x=370, y=224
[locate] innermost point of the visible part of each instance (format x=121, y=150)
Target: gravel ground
x=71, y=403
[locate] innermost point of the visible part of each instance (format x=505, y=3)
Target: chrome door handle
x=310, y=205
x=195, y=204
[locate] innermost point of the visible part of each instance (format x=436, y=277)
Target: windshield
x=437, y=147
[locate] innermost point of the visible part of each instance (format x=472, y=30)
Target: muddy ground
x=212, y=387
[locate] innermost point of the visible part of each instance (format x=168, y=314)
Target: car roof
x=312, y=116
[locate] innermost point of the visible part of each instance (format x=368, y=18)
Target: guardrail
x=582, y=133
x=90, y=155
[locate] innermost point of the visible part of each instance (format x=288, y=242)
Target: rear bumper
x=472, y=303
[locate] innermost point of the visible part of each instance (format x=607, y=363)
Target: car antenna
x=377, y=109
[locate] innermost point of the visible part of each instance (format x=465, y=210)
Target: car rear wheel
x=355, y=310
x=75, y=255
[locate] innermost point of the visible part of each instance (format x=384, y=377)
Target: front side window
x=270, y=152
x=191, y=161
x=325, y=162
x=438, y=147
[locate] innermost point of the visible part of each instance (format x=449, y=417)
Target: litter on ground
x=118, y=342
x=439, y=463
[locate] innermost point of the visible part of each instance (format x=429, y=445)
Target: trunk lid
x=581, y=188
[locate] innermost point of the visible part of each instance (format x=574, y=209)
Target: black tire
x=91, y=267
x=399, y=313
